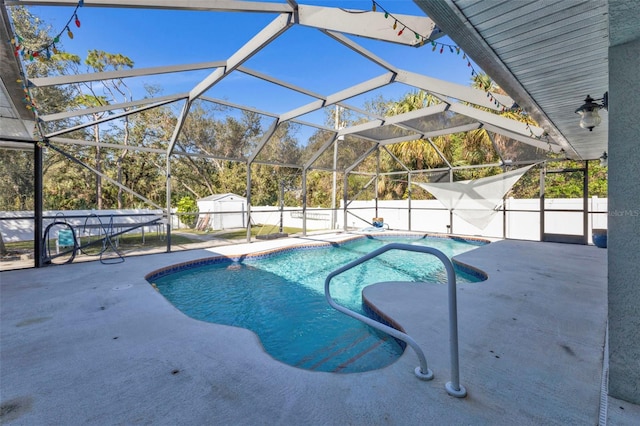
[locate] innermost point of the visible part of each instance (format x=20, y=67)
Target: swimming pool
x=280, y=296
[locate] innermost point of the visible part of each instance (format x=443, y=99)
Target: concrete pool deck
x=93, y=343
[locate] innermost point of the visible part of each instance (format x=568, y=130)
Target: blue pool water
x=281, y=298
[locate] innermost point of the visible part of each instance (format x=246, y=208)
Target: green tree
x=113, y=90
x=145, y=172
x=66, y=182
x=187, y=205
x=16, y=180
x=215, y=141
x=280, y=150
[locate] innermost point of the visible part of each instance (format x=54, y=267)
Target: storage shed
x=222, y=211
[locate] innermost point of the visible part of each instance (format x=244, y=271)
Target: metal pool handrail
x=453, y=387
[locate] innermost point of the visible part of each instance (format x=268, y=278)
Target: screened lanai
x=291, y=115
x=548, y=56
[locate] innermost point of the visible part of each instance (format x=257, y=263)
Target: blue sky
x=302, y=56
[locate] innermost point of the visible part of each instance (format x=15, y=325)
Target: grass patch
x=255, y=231
x=19, y=246
x=189, y=231
x=127, y=242
x=152, y=240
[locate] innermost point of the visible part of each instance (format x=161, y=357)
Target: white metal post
x=335, y=171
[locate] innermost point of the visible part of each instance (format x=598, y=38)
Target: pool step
x=341, y=355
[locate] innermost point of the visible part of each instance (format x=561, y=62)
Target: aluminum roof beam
x=451, y=130
x=538, y=143
x=112, y=75
x=17, y=145
x=395, y=119
x=360, y=160
x=396, y=159
x=357, y=22
x=104, y=120
x=67, y=141
x=405, y=138
x=356, y=90
x=440, y=153
x=360, y=50
x=319, y=152
x=367, y=24
x=204, y=5
x=517, y=130
x=279, y=82
x=453, y=90
x=264, y=113
x=158, y=101
x=265, y=138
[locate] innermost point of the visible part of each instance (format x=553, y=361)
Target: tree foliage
x=187, y=204
x=16, y=180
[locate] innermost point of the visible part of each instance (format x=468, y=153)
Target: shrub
x=187, y=205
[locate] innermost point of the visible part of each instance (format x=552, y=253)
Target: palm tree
x=482, y=81
x=477, y=146
x=416, y=154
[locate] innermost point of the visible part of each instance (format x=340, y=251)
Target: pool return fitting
x=454, y=388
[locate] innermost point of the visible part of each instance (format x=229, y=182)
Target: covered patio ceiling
x=548, y=55
x=454, y=114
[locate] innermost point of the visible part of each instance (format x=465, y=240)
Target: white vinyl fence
x=520, y=221
x=18, y=225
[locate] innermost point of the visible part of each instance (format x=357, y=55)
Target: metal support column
x=543, y=172
x=377, y=177
x=335, y=171
x=504, y=205
x=344, y=197
x=281, y=204
x=304, y=202
x=450, y=210
x=37, y=206
x=504, y=217
x=585, y=203
x=248, y=202
x=409, y=198
x=168, y=211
